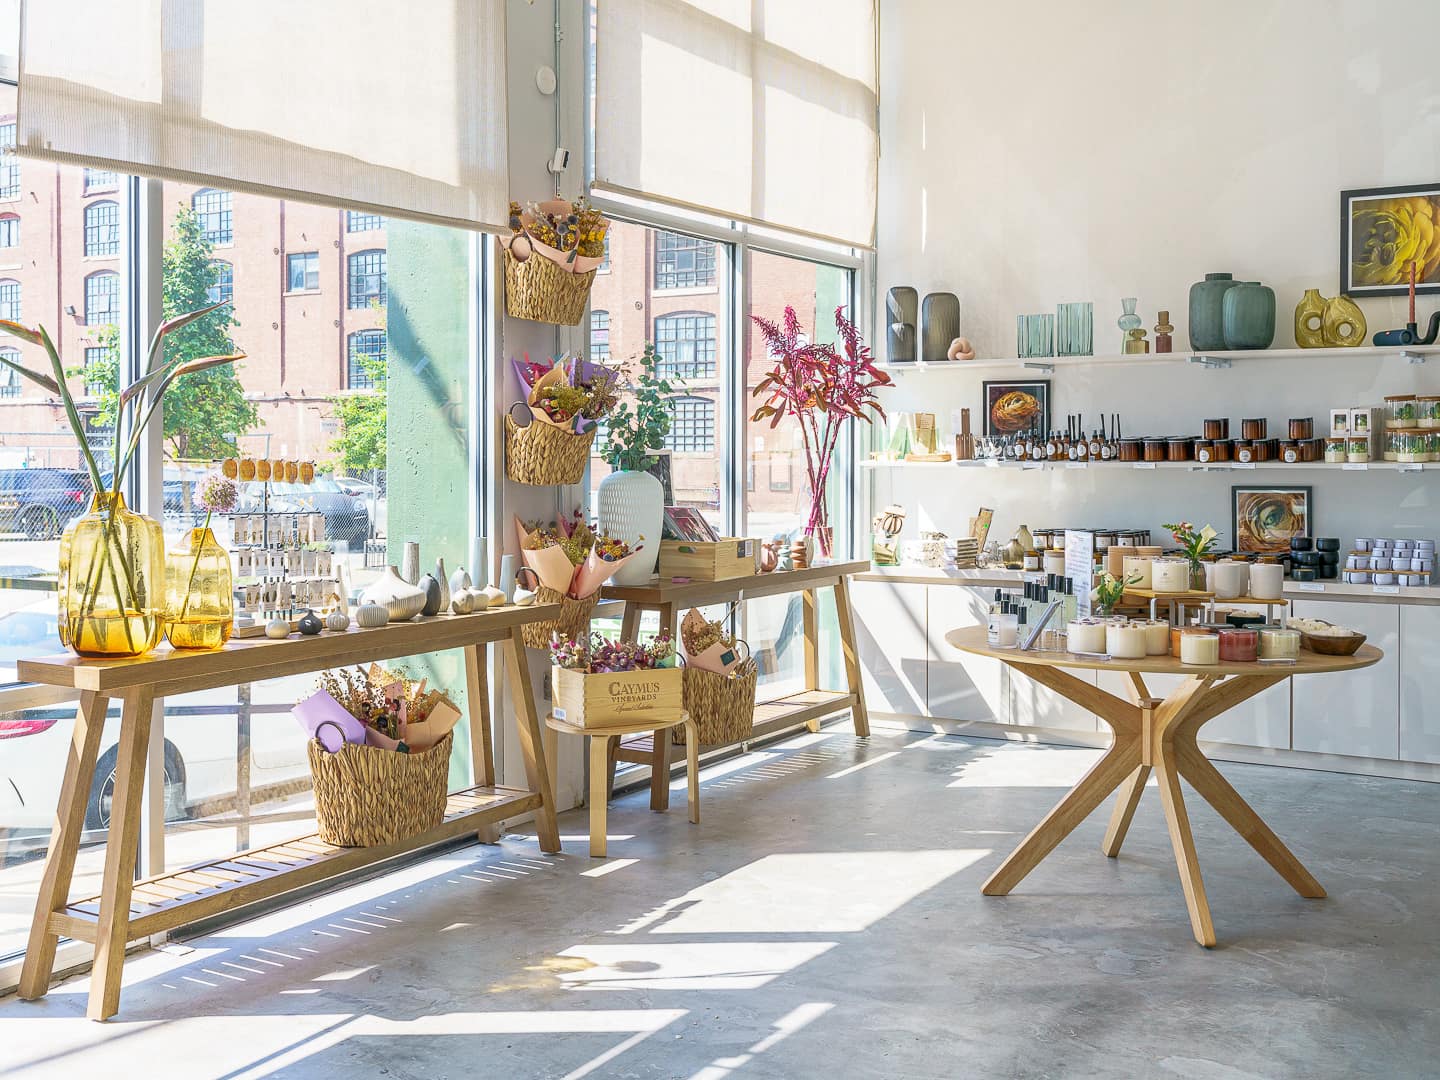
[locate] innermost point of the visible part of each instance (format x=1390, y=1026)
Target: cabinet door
x=962, y=686
x=1355, y=713
x=1419, y=692
x=890, y=634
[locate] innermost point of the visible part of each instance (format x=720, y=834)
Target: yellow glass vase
x=112, y=580
x=199, y=593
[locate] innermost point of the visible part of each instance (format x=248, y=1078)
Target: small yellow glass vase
x=199, y=593
x=112, y=579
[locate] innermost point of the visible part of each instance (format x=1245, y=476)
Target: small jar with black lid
x=1261, y=450
x=1204, y=451
x=1131, y=450
x=1178, y=448
x=1155, y=449
x=1289, y=451
x=1244, y=451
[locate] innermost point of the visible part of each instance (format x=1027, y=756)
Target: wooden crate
x=617, y=698
x=720, y=560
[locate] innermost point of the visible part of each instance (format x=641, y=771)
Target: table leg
x=482, y=753
x=845, y=616
x=112, y=930
x=64, y=843
x=599, y=795
x=537, y=776
x=810, y=628
x=1130, y=792
x=692, y=768
x=660, y=745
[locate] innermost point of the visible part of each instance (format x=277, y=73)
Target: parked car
x=40, y=502
x=372, y=495
x=347, y=520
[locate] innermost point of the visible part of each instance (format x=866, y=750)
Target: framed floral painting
x=1384, y=230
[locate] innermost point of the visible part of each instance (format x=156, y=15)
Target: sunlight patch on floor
x=691, y=965
x=1021, y=766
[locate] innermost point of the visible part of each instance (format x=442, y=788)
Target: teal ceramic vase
x=1207, y=311
x=1249, y=316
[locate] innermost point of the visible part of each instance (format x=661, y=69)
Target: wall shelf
x=1215, y=360
x=1146, y=466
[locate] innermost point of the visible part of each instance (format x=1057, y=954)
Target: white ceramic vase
x=396, y=595
x=631, y=505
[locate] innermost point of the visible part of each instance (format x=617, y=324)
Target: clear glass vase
x=199, y=592
x=112, y=580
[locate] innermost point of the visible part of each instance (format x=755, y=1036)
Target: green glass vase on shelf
x=112, y=561
x=199, y=592
x=112, y=571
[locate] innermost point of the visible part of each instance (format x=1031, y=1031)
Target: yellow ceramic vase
x=112, y=580
x=199, y=593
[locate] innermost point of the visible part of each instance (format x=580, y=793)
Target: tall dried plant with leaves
x=822, y=390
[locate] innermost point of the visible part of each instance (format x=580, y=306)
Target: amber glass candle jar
x=1252, y=429
x=1131, y=450
x=1155, y=449
x=1217, y=429
x=1178, y=449
x=1302, y=428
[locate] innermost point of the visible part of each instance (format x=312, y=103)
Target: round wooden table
x=1159, y=734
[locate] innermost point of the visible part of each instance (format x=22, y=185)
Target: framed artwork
x=1382, y=230
x=1264, y=519
x=661, y=470
x=1014, y=408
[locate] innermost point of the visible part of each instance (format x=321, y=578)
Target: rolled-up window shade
x=368, y=104
x=759, y=110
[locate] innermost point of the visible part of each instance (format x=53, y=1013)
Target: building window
x=97, y=371
x=686, y=344
x=604, y=267
x=102, y=229
x=100, y=180
x=358, y=222
x=367, y=347
x=213, y=209
x=9, y=163
x=692, y=425
x=10, y=231
x=102, y=298
x=9, y=378
x=10, y=300
x=367, y=278
x=304, y=272
x=683, y=262
x=600, y=335
x=223, y=286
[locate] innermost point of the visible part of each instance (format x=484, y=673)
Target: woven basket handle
x=338, y=728
x=526, y=416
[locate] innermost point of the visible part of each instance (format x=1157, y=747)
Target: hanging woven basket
x=722, y=706
x=573, y=623
x=541, y=290
x=544, y=454
x=366, y=796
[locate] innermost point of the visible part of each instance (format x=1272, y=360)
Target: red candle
x=1239, y=645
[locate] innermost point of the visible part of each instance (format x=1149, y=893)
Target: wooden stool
x=603, y=739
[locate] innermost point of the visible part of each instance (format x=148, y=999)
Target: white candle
x=1085, y=636
x=1170, y=575
x=1125, y=642
x=1266, y=581
x=1133, y=565
x=1157, y=637
x=1231, y=579
x=1278, y=643
x=1198, y=648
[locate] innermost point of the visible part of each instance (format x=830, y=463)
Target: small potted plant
x=1107, y=592
x=631, y=501
x=1195, y=544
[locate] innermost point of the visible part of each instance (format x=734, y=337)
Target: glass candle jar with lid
x=1238, y=645
x=1279, y=643
x=1358, y=451
x=1427, y=411
x=1335, y=448
x=1157, y=636
x=1137, y=571
x=1170, y=575
x=1085, y=636
x=1267, y=579
x=1400, y=411
x=1125, y=640
x=1230, y=579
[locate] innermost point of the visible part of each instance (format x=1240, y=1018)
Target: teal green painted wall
x=427, y=410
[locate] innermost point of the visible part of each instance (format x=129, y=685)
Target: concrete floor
x=824, y=920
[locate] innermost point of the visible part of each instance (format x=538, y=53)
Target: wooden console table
x=128, y=910
x=670, y=599
x=1161, y=734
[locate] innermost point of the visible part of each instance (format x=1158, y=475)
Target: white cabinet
x=963, y=687
x=1419, y=684
x=890, y=634
x=1355, y=713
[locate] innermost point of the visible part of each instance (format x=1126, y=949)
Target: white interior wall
x=1045, y=152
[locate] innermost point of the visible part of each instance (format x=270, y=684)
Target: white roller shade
x=374, y=105
x=759, y=110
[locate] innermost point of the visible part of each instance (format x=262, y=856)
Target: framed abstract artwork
x=1014, y=408
x=1264, y=519
x=1384, y=230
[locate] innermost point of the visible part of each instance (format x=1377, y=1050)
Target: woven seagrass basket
x=543, y=291
x=574, y=620
x=722, y=706
x=366, y=796
x=544, y=454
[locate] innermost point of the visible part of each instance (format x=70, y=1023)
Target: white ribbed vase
x=631, y=505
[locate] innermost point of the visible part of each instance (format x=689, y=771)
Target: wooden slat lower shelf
x=770, y=717
x=196, y=892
